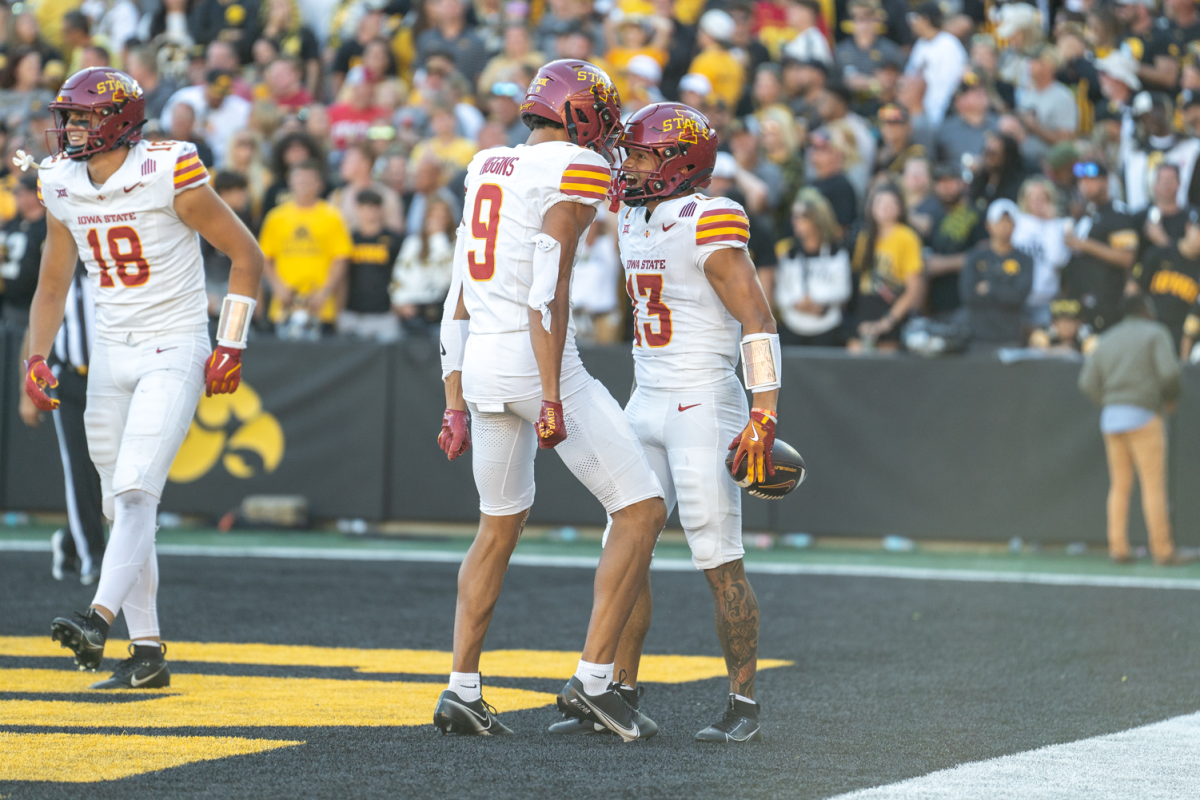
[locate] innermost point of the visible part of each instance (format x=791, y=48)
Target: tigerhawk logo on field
x=234, y=429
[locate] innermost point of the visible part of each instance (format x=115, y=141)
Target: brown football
x=789, y=473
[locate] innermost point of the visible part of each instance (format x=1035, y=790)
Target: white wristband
x=762, y=362
x=547, y=252
x=237, y=311
x=454, y=345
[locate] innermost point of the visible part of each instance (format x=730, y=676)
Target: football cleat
x=146, y=668
x=84, y=634
x=476, y=718
x=738, y=724
x=609, y=708
x=61, y=563
x=570, y=724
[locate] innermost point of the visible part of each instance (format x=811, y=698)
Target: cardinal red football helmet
x=115, y=103
x=683, y=143
x=580, y=97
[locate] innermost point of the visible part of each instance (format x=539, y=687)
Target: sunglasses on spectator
x=1086, y=169
x=506, y=89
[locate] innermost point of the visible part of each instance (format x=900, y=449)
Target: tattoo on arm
x=737, y=624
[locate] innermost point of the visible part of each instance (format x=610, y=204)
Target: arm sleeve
x=189, y=172
x=720, y=225
x=586, y=179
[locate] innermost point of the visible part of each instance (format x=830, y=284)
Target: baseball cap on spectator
x=220, y=81
x=644, y=67
x=28, y=182
x=717, y=24
x=696, y=83
x=930, y=11
x=1064, y=307
x=1000, y=208
x=1062, y=155
x=1014, y=17
x=725, y=166
x=894, y=114
x=971, y=79
x=947, y=172
x=368, y=197
x=1121, y=67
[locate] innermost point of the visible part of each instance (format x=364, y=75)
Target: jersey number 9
x=125, y=259
x=487, y=229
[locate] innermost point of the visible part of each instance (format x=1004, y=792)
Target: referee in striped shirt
x=81, y=545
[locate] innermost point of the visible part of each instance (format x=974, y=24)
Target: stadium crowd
x=936, y=175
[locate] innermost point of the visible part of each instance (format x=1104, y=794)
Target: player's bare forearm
x=454, y=391
x=1185, y=348
x=54, y=281
x=566, y=223
x=735, y=280
x=207, y=214
x=737, y=624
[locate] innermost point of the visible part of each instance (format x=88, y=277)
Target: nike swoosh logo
x=133, y=679
x=225, y=357
x=682, y=407
x=443, y=349
x=131, y=188
x=165, y=349
x=667, y=227
x=753, y=434
x=597, y=676
x=474, y=713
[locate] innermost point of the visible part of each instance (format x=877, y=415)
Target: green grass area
x=543, y=542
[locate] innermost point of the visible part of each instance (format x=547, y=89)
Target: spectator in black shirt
x=234, y=190
x=958, y=230
x=995, y=280
x=1002, y=173
x=829, y=162
x=24, y=238
x=1171, y=275
x=350, y=52
x=232, y=21
x=1104, y=245
x=451, y=33
x=368, y=312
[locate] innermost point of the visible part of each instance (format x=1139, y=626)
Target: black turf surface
x=893, y=678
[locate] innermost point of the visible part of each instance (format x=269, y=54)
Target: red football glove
x=551, y=425
x=38, y=378
x=755, y=442
x=223, y=373
x=455, y=438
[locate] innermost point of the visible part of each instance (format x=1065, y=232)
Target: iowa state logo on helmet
x=118, y=86
x=687, y=125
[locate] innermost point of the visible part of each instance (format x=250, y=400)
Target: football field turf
x=313, y=673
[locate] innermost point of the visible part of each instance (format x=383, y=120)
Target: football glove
x=755, y=443
x=455, y=438
x=223, y=374
x=551, y=425
x=38, y=378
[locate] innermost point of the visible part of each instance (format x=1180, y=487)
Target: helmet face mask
x=115, y=107
x=682, y=145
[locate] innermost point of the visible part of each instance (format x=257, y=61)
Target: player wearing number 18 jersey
x=131, y=210
x=696, y=296
x=510, y=358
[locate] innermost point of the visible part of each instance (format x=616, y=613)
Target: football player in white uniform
x=131, y=209
x=698, y=305
x=510, y=358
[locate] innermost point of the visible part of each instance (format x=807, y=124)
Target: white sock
x=466, y=685
x=595, y=677
x=744, y=699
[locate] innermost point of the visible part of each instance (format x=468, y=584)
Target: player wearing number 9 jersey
x=696, y=296
x=132, y=210
x=510, y=358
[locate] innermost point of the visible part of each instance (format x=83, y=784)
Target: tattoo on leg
x=737, y=624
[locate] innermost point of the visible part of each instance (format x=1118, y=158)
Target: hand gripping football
x=789, y=473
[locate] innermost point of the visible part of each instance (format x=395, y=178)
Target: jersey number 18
x=131, y=268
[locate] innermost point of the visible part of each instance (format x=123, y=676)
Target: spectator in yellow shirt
x=307, y=249
x=887, y=256
x=629, y=35
x=715, y=62
x=445, y=145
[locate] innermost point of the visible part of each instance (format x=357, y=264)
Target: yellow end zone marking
x=557, y=664
x=35, y=756
x=240, y=701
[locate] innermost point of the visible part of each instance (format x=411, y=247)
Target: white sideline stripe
x=664, y=565
x=1155, y=761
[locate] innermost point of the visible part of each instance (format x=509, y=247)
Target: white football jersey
x=143, y=260
x=683, y=336
x=509, y=191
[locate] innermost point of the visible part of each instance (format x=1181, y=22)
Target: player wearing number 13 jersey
x=131, y=210
x=698, y=305
x=510, y=357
